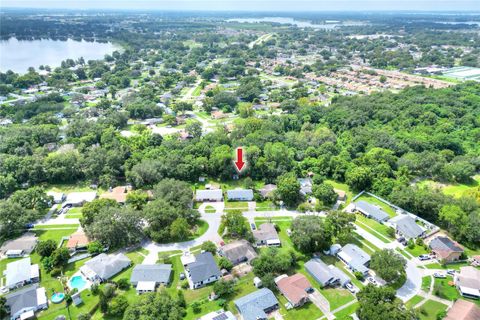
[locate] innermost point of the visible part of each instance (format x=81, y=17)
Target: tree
x=325, y=193
x=311, y=234
x=223, y=288
x=3, y=307
x=340, y=225
x=236, y=224
x=388, y=264
x=159, y=306
x=179, y=229
x=288, y=189
x=209, y=246
x=46, y=248
x=378, y=303
x=60, y=257
x=91, y=210
x=194, y=128
x=95, y=247
x=176, y=193
x=358, y=178
x=273, y=261
x=224, y=263
x=117, y=306
x=84, y=316
x=137, y=199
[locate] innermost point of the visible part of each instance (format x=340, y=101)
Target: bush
x=410, y=244
x=419, y=242
x=185, y=284
x=391, y=232
x=209, y=246
x=95, y=289
x=46, y=248
x=224, y=263
x=109, y=290
x=123, y=284
x=221, y=303
x=84, y=316
x=117, y=306
x=196, y=307
x=359, y=275
x=95, y=248
x=55, y=272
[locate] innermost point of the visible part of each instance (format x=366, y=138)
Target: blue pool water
x=58, y=297
x=78, y=282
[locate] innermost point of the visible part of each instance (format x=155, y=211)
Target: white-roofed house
x=209, y=195
x=355, y=258
x=78, y=199
x=23, y=303
x=20, y=273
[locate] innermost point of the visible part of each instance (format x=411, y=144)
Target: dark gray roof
x=203, y=268
x=252, y=306
x=265, y=231
x=407, y=226
x=371, y=211
x=24, y=298
x=159, y=273
x=240, y=194
x=445, y=244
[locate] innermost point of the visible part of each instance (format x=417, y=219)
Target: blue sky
x=251, y=5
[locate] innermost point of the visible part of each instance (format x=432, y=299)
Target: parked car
x=451, y=272
x=29, y=225
x=402, y=240
x=424, y=257
x=350, y=287
x=439, y=275
x=254, y=227
x=372, y=280
x=182, y=276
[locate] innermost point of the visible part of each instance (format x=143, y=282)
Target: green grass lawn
x=414, y=301
x=381, y=233
x=345, y=313
x=430, y=309
x=403, y=253
x=454, y=266
x=307, y=311
x=417, y=250
x=385, y=207
x=236, y=205
x=210, y=209
x=283, y=226
x=442, y=289
x=56, y=226
x=456, y=190
x=426, y=282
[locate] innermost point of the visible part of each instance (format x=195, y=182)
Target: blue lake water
x=19, y=55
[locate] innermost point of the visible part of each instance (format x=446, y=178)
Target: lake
x=298, y=23
x=19, y=55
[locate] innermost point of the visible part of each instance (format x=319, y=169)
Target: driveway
x=322, y=303
x=213, y=220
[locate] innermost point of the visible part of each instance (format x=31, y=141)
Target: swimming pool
x=77, y=282
x=58, y=297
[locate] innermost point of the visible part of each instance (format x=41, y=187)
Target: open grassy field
x=455, y=189
x=430, y=309
x=443, y=289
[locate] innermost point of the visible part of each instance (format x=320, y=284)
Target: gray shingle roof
x=407, y=226
x=355, y=257
x=371, y=211
x=240, y=194
x=252, y=306
x=159, y=273
x=209, y=194
x=320, y=271
x=106, y=266
x=238, y=250
x=25, y=298
x=203, y=268
x=265, y=231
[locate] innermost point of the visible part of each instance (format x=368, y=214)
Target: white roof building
x=21, y=272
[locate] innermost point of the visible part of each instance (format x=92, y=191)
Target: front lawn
x=417, y=250
x=426, y=283
x=414, y=301
x=443, y=289
x=307, y=311
x=430, y=309
x=380, y=231
x=345, y=313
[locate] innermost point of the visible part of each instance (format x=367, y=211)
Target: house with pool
x=99, y=269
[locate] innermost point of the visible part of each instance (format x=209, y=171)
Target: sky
x=252, y=5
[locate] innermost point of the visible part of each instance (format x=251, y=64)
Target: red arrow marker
x=239, y=163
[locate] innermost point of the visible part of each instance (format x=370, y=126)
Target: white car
x=350, y=287
x=439, y=275
x=423, y=257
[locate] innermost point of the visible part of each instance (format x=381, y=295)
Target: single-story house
x=78, y=199
x=267, y=190
x=445, y=249
x=266, y=234
x=202, y=271
x=119, y=194
x=209, y=195
x=355, y=258
x=20, y=273
x=146, y=277
x=240, y=195
x=103, y=266
x=23, y=303
x=23, y=244
x=218, y=315
x=467, y=282
x=256, y=305
x=407, y=227
x=326, y=275
x=238, y=251
x=78, y=241
x=294, y=288
x=371, y=211
x=305, y=185
x=463, y=310
x=58, y=197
